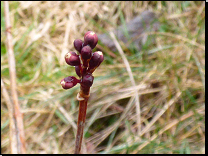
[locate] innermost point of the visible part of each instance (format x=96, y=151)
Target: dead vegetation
x=168, y=75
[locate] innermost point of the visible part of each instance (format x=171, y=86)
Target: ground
x=168, y=74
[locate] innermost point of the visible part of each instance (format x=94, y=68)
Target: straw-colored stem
x=80, y=125
x=18, y=117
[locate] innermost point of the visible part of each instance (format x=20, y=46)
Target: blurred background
x=167, y=58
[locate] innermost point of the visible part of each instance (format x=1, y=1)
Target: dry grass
x=170, y=79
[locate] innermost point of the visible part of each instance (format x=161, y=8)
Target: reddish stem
x=81, y=70
x=80, y=124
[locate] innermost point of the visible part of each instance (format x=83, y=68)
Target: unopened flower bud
x=72, y=59
x=90, y=39
x=86, y=52
x=101, y=56
x=69, y=82
x=96, y=59
x=87, y=80
x=87, y=33
x=77, y=69
x=78, y=44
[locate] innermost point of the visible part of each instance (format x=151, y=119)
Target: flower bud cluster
x=85, y=61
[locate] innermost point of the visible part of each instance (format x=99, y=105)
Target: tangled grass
x=169, y=77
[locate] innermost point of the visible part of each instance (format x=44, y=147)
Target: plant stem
x=18, y=117
x=80, y=124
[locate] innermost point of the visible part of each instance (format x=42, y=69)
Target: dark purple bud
x=77, y=69
x=87, y=80
x=87, y=33
x=96, y=59
x=101, y=57
x=78, y=45
x=69, y=82
x=72, y=59
x=90, y=39
x=86, y=52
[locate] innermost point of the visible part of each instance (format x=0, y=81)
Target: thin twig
x=17, y=114
x=12, y=132
x=131, y=78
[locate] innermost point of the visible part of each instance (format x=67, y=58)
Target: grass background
x=44, y=31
